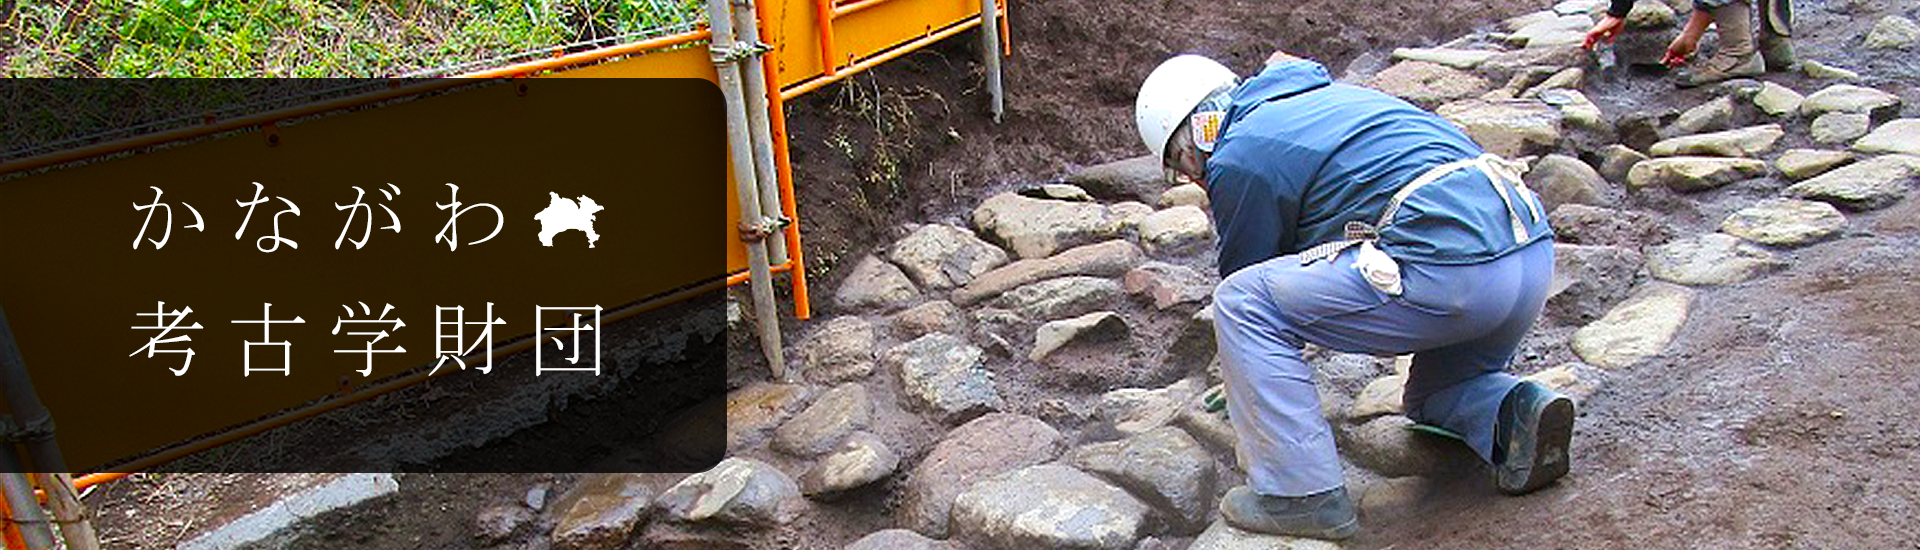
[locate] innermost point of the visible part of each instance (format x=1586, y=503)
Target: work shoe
x=1326, y=515
x=1530, y=438
x=1737, y=56
x=1776, y=31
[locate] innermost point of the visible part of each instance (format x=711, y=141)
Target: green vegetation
x=307, y=38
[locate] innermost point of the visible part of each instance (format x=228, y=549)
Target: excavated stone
x=945, y=375
x=1589, y=279
x=1778, y=100
x=1048, y=506
x=1061, y=297
x=601, y=511
x=1577, y=380
x=1429, y=84
x=1381, y=396
x=1511, y=129
x=1386, y=446
x=1814, y=68
x=1037, y=228
x=1893, y=32
x=739, y=492
x=1836, y=128
x=499, y=522
x=1168, y=284
x=1059, y=191
x=1221, y=536
x=1651, y=15
x=1848, y=98
x=828, y=421
x=1866, y=185
x=1184, y=195
x=1694, y=173
x=1210, y=428
x=1507, y=62
x=841, y=350
x=1176, y=231
x=1711, y=116
x=1743, y=142
x=1139, y=178
x=1615, y=161
x=930, y=317
x=1570, y=78
x=1593, y=225
x=898, y=539
x=1561, y=179
x=1134, y=411
x=874, y=283
x=1556, y=30
x=943, y=256
x=1107, y=259
x=1898, y=137
x=754, y=409
x=1785, y=222
x=1636, y=329
x=1092, y=328
x=1130, y=213
x=1164, y=467
x=1801, y=164
x=1393, y=499
x=1576, y=109
x=1711, y=259
x=987, y=446
x=1455, y=58
x=860, y=460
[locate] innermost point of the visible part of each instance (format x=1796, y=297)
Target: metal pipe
x=589, y=56
x=740, y=150
x=754, y=77
x=990, y=54
x=796, y=256
x=846, y=9
x=34, y=427
x=24, y=518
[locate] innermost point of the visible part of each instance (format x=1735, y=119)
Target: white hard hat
x=1170, y=94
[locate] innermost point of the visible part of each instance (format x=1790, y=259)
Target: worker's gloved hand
x=1215, y=401
x=1607, y=30
x=1682, y=48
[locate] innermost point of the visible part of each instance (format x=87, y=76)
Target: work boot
x=1326, y=515
x=1530, y=438
x=1776, y=32
x=1737, y=56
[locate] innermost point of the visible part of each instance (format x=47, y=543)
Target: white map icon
x=562, y=214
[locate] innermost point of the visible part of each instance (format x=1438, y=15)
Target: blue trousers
x=1462, y=324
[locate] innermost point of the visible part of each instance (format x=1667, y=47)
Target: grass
x=309, y=38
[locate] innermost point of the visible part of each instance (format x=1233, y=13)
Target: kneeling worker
x=1356, y=221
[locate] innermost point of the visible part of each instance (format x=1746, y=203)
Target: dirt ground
x=1780, y=417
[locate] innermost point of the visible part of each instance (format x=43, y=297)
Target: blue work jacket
x=1299, y=156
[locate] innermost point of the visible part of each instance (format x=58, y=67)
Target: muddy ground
x=1780, y=417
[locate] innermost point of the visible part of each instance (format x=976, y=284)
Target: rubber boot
x=1737, y=56
x=1776, y=32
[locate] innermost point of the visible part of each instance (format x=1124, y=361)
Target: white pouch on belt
x=1379, y=269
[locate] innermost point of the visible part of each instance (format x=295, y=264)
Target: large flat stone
x=945, y=375
x=1221, y=536
x=1428, y=84
x=1785, y=222
x=943, y=256
x=987, y=446
x=1743, y=142
x=825, y=423
x=1848, y=98
x=1694, y=173
x=1164, y=467
x=739, y=492
x=1637, y=329
x=1899, y=136
x=874, y=283
x=1107, y=259
x=1048, y=506
x=1511, y=128
x=601, y=511
x=1711, y=259
x=1866, y=185
x=1036, y=228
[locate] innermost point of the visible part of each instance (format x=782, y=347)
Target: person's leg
x=1460, y=386
x=1776, y=31
x=1737, y=55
